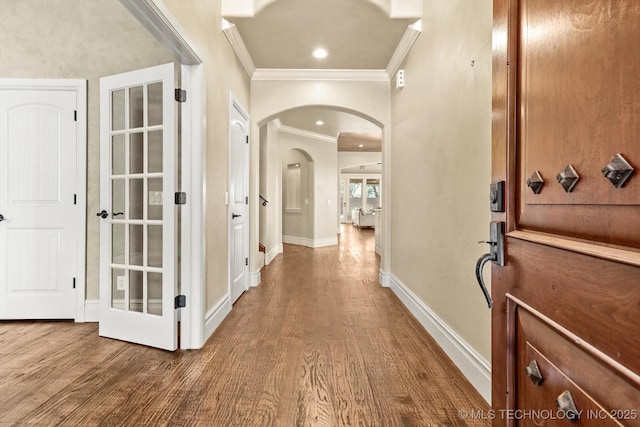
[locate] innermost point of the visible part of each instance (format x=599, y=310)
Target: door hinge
x=181, y=198
x=74, y=283
x=181, y=95
x=75, y=115
x=246, y=200
x=75, y=199
x=247, y=139
x=180, y=301
x=246, y=261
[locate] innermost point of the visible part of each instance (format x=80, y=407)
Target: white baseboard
x=327, y=241
x=293, y=240
x=215, y=316
x=273, y=253
x=254, y=278
x=310, y=243
x=92, y=310
x=474, y=367
x=383, y=278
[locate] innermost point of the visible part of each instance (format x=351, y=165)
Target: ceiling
x=358, y=35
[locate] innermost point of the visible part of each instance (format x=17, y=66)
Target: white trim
x=159, y=21
x=92, y=310
x=327, y=241
x=239, y=47
x=307, y=134
x=300, y=241
x=80, y=88
x=320, y=74
x=254, y=278
x=215, y=316
x=193, y=247
x=310, y=243
x=383, y=279
x=273, y=252
x=402, y=50
x=474, y=367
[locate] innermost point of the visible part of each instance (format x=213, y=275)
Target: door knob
x=496, y=255
x=234, y=216
x=103, y=214
x=1, y=217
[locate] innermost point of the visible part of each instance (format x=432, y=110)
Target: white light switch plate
x=155, y=198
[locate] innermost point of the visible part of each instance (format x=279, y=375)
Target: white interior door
x=38, y=193
x=238, y=200
x=137, y=186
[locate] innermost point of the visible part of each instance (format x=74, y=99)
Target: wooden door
x=566, y=97
x=38, y=202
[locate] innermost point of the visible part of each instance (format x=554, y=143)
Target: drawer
x=605, y=393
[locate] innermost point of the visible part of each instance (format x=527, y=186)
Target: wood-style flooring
x=318, y=343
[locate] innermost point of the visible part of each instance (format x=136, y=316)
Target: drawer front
x=604, y=392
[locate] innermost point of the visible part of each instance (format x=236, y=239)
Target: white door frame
x=80, y=88
x=159, y=21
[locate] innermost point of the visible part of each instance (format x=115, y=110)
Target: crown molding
x=404, y=46
x=305, y=133
x=320, y=74
x=158, y=20
x=235, y=40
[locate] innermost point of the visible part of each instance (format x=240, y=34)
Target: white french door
x=39, y=212
x=138, y=217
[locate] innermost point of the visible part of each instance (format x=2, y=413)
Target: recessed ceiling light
x=319, y=122
x=361, y=145
x=320, y=53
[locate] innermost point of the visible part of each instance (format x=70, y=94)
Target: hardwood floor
x=318, y=343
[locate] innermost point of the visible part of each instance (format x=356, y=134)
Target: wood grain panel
x=578, y=96
x=599, y=301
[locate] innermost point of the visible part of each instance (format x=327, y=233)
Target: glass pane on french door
x=136, y=199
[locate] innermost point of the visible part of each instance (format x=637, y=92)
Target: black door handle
x=103, y=214
x=496, y=254
x=234, y=216
x=1, y=217
x=479, y=265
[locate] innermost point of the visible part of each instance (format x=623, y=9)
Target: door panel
x=138, y=257
x=565, y=93
x=38, y=144
x=238, y=201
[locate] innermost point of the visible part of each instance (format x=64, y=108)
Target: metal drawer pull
x=533, y=372
x=535, y=183
x=617, y=171
x=568, y=178
x=567, y=406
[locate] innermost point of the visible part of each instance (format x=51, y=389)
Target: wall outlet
x=121, y=283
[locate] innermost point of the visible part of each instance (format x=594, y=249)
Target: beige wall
x=202, y=19
x=440, y=156
x=77, y=39
x=369, y=99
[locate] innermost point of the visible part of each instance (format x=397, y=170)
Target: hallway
x=319, y=342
